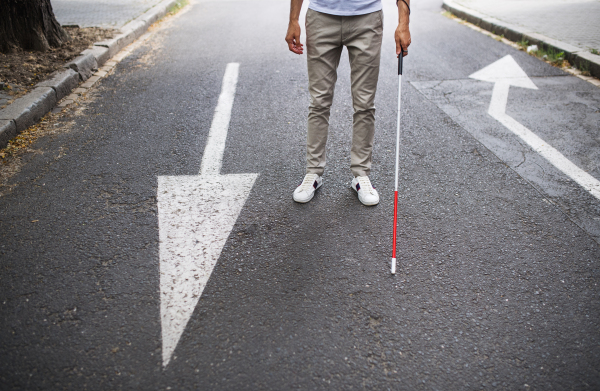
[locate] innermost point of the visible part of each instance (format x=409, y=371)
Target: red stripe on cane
x=395, y=223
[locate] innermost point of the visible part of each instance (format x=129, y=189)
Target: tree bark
x=29, y=25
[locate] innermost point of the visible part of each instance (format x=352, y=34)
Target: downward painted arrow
x=195, y=216
x=504, y=73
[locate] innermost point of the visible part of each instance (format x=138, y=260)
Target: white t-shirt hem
x=346, y=13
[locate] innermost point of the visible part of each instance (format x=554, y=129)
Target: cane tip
x=393, y=265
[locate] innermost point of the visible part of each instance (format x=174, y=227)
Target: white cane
x=397, y=159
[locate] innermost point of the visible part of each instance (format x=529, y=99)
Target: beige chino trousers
x=326, y=35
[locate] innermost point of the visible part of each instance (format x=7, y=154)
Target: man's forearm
x=402, y=34
x=295, y=7
x=403, y=12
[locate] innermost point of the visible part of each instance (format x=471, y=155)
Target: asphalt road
x=498, y=266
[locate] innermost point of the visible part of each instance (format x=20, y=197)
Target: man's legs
x=362, y=36
x=324, y=48
x=325, y=37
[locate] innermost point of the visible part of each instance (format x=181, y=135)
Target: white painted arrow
x=195, y=216
x=504, y=73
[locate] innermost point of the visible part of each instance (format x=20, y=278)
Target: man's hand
x=293, y=37
x=402, y=35
x=293, y=34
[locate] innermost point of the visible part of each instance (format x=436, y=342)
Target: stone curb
x=8, y=130
x=575, y=55
x=85, y=65
x=27, y=110
x=62, y=83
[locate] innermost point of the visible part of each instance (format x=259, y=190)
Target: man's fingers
x=404, y=49
x=297, y=39
x=291, y=43
x=401, y=48
x=294, y=46
x=297, y=44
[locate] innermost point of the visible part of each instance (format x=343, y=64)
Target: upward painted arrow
x=195, y=216
x=505, y=73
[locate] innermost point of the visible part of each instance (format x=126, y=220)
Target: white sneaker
x=306, y=191
x=366, y=192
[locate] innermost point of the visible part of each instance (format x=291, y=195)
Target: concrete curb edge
x=29, y=109
x=575, y=55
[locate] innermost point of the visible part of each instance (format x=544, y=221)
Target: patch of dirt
x=21, y=70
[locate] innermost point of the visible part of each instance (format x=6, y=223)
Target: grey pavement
x=103, y=13
x=575, y=22
x=497, y=286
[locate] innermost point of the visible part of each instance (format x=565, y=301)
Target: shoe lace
x=308, y=182
x=365, y=184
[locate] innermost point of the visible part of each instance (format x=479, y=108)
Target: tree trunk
x=29, y=25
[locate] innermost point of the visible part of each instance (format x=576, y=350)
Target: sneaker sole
x=368, y=204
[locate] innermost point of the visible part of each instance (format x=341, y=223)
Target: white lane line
x=195, y=217
x=504, y=73
x=215, y=145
